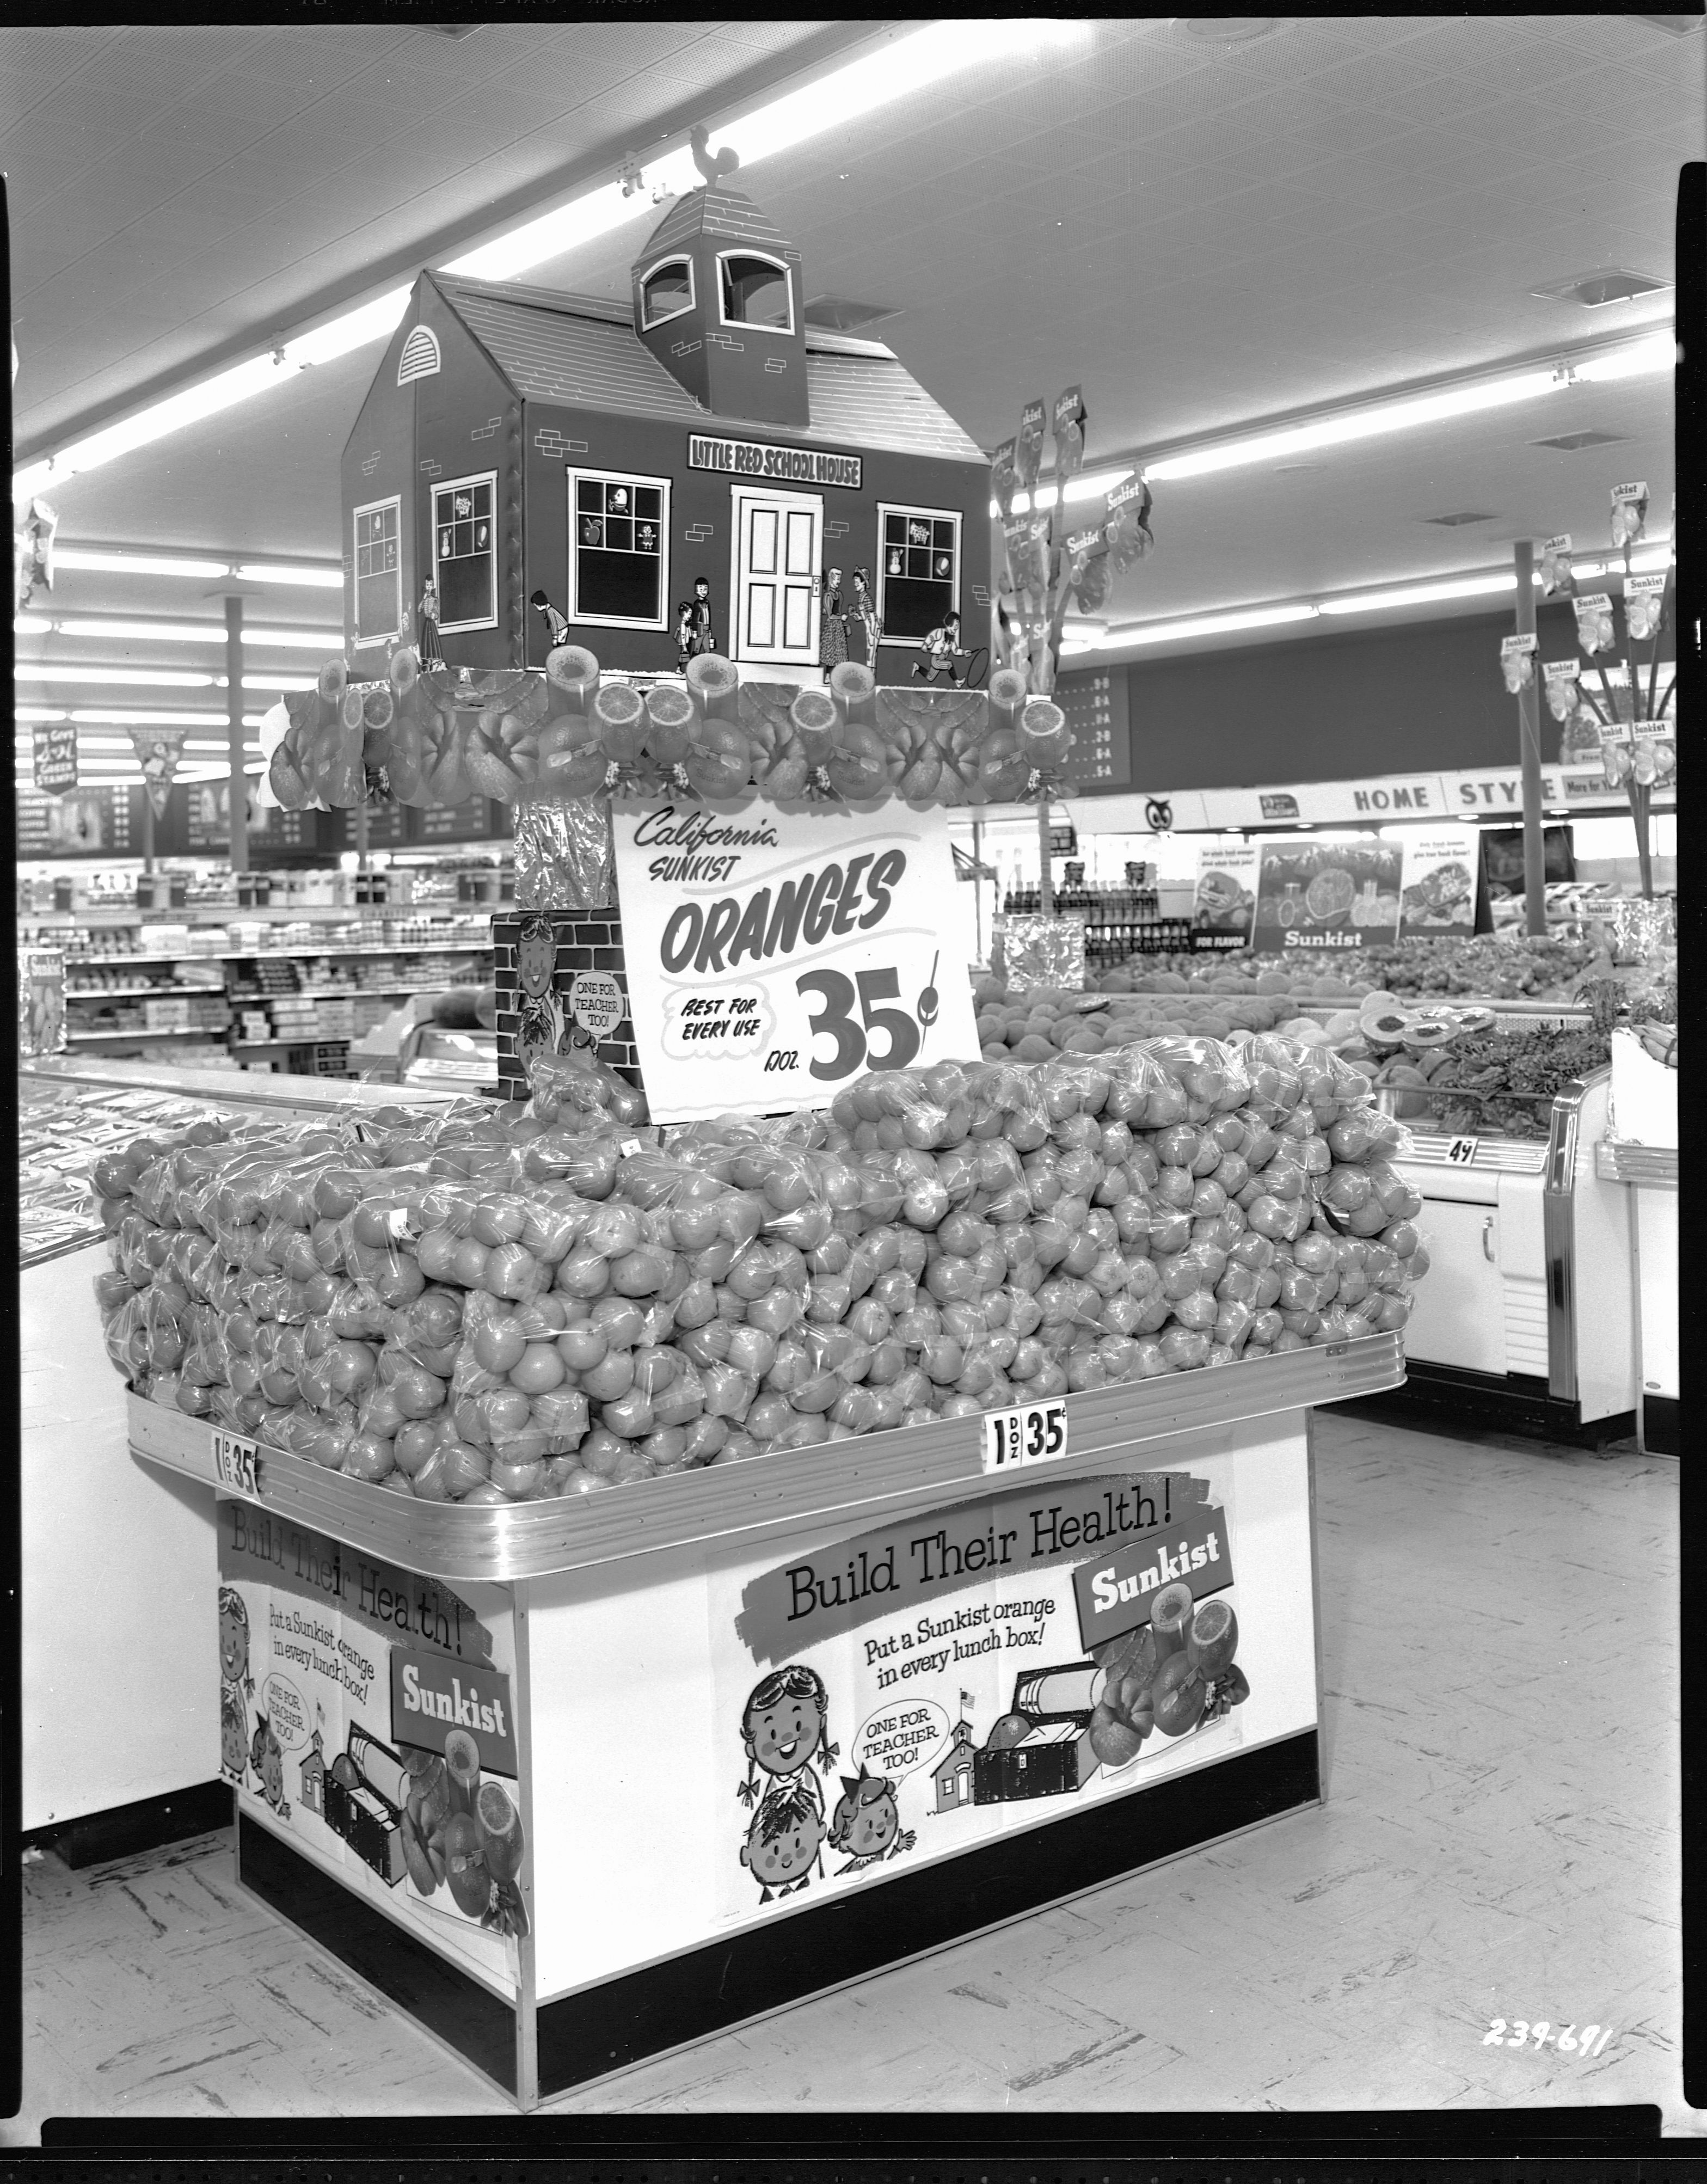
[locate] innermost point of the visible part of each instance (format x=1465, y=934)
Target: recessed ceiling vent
x=1611, y=284
x=1570, y=444
x=1675, y=26
x=1227, y=29
x=836, y=315
x=1462, y=516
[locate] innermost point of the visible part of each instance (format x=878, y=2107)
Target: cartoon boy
x=785, y=1841
x=268, y=1761
x=940, y=646
x=783, y=1726
x=868, y=1822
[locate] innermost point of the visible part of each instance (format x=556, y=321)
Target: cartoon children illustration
x=784, y=1727
x=694, y=631
x=940, y=646
x=234, y=1640
x=865, y=614
x=268, y=1760
x=785, y=1841
x=539, y=1028
x=867, y=1822
x=234, y=1729
x=832, y=622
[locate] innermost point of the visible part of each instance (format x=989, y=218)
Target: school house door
x=778, y=537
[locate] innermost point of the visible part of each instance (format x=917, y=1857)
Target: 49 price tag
x=234, y=1461
x=1035, y=1433
x=1460, y=1152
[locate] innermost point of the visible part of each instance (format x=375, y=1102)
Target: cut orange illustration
x=1330, y=892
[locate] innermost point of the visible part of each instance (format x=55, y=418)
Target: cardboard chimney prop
x=703, y=471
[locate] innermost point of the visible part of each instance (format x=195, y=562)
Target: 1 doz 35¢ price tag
x=775, y=955
x=234, y=1461
x=1035, y=1433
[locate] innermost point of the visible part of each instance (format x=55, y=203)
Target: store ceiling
x=1206, y=238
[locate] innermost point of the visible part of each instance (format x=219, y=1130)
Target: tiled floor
x=1500, y=1838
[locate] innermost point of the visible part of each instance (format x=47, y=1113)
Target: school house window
x=918, y=571
x=379, y=573
x=756, y=291
x=666, y=292
x=464, y=553
x=618, y=571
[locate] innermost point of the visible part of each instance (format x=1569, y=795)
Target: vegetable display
x=489, y=1307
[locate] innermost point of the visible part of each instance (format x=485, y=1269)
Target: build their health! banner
x=919, y=1687
x=773, y=956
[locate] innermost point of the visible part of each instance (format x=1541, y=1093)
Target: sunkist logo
x=469, y=1712
x=1109, y=1589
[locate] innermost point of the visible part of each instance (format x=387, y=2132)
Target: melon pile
x=485, y=1306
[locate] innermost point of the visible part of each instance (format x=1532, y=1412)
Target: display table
x=763, y=1727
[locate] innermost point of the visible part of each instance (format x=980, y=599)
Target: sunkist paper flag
x=157, y=752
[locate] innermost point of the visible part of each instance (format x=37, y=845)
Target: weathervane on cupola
x=718, y=300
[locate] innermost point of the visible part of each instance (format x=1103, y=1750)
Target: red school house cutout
x=518, y=440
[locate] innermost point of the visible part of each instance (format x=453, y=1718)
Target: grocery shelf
x=1620, y=1160
x=130, y=992
x=221, y=1088
x=469, y=947
x=800, y=1490
x=142, y=1031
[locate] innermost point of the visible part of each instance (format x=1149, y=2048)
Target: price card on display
x=773, y=955
x=234, y=1460
x=1036, y=1433
x=1461, y=1151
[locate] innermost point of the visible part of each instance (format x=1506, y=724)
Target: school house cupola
x=703, y=444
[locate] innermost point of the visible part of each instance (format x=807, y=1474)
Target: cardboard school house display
x=684, y=475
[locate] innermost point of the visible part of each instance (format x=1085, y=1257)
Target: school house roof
x=576, y=350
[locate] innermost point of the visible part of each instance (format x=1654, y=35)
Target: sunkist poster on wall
x=925, y=1685
x=1439, y=891
x=1327, y=896
x=369, y=1714
x=774, y=955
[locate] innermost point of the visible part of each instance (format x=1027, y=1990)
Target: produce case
x=1640, y=1154
x=156, y=1559
x=638, y=1639
x=1528, y=1322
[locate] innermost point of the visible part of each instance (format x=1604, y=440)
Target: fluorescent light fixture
x=135, y=565
x=895, y=70
x=197, y=632
x=165, y=719
x=275, y=572
x=29, y=625
x=1213, y=625
x=1089, y=485
x=1654, y=353
x=1417, y=595
x=198, y=742
x=28, y=670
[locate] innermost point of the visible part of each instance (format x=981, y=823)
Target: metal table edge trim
x=839, y=1481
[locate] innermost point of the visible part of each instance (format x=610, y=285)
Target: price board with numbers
x=1095, y=705
x=773, y=955
x=1035, y=1433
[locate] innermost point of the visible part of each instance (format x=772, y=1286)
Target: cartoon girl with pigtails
x=784, y=1726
